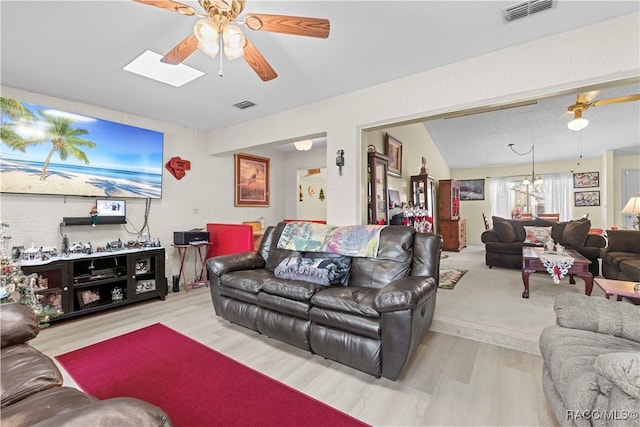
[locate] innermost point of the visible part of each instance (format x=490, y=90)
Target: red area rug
x=193, y=384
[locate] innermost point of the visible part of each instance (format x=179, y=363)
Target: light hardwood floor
x=451, y=380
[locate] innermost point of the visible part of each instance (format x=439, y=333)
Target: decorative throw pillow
x=321, y=271
x=537, y=235
x=575, y=233
x=505, y=231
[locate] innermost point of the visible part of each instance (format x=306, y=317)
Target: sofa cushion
x=537, y=235
x=25, y=371
x=570, y=354
x=624, y=240
x=557, y=229
x=318, y=270
x=505, y=231
x=575, y=233
x=365, y=326
x=298, y=290
x=248, y=280
x=351, y=299
x=630, y=270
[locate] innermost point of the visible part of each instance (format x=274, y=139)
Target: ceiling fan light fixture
x=211, y=49
x=223, y=5
x=303, y=145
x=234, y=42
x=578, y=123
x=205, y=31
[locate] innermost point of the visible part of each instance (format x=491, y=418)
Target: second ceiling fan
x=216, y=33
x=585, y=101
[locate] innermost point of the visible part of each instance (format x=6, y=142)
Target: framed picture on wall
x=586, y=179
x=587, y=198
x=472, y=189
x=251, y=180
x=393, y=150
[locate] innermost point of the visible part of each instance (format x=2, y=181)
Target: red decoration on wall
x=178, y=167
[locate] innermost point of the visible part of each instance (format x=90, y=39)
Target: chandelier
x=533, y=182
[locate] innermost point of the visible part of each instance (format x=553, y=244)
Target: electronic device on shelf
x=108, y=207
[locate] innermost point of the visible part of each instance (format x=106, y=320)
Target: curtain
x=498, y=187
x=557, y=194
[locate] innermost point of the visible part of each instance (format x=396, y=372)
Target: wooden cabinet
x=377, y=194
x=423, y=190
x=449, y=197
x=82, y=284
x=452, y=228
x=454, y=234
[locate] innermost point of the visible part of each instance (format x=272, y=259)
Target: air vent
x=524, y=9
x=244, y=104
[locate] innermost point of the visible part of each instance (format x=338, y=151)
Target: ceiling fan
x=215, y=33
x=584, y=101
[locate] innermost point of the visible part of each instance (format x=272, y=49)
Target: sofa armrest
x=595, y=241
x=599, y=315
x=220, y=265
x=622, y=369
x=18, y=324
x=121, y=411
x=489, y=236
x=404, y=293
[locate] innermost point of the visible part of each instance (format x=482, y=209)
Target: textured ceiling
x=76, y=50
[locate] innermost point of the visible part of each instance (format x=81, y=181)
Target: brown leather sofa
x=621, y=257
x=373, y=322
x=504, y=242
x=32, y=391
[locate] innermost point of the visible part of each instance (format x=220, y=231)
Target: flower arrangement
x=15, y=286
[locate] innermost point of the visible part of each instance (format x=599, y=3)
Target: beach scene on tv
x=47, y=151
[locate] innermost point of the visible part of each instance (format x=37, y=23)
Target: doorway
x=312, y=194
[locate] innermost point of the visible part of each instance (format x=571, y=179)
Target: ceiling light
x=148, y=64
x=578, y=123
x=303, y=145
x=234, y=42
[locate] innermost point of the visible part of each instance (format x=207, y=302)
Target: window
x=554, y=195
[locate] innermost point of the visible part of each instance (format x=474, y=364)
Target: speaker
x=176, y=283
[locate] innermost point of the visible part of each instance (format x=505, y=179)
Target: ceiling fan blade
x=256, y=61
x=566, y=115
x=181, y=51
x=616, y=100
x=587, y=97
x=170, y=5
x=284, y=24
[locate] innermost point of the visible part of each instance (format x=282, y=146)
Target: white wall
x=561, y=62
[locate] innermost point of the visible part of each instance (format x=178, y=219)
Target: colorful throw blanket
x=352, y=240
x=557, y=265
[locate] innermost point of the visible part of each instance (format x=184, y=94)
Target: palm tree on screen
x=65, y=139
x=15, y=111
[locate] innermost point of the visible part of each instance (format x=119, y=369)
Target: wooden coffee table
x=531, y=263
x=619, y=288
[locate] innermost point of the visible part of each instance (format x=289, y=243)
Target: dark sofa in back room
x=621, y=257
x=504, y=242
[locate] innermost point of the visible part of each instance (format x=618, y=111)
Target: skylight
x=148, y=65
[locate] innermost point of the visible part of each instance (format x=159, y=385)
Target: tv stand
x=81, y=284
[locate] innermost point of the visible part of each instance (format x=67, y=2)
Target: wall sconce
x=340, y=161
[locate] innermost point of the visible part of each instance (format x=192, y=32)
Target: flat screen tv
x=49, y=151
x=111, y=207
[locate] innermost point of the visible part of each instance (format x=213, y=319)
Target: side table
x=201, y=255
x=619, y=288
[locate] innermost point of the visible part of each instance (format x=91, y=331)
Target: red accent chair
x=229, y=239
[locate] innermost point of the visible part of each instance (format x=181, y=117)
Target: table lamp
x=633, y=207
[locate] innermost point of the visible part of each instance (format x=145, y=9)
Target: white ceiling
x=76, y=50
